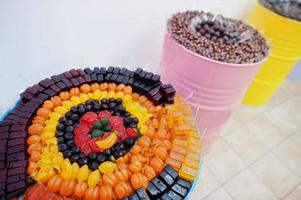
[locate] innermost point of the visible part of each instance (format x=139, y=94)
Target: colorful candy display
x=99, y=134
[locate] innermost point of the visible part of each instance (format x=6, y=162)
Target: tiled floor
x=259, y=153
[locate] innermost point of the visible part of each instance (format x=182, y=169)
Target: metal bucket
x=284, y=36
x=212, y=88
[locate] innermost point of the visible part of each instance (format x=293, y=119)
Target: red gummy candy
x=93, y=145
x=88, y=119
x=81, y=130
x=85, y=148
x=131, y=132
x=115, y=121
x=104, y=114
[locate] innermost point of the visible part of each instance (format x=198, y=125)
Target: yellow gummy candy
x=90, y=95
x=67, y=104
x=75, y=100
x=54, y=116
x=83, y=97
x=75, y=169
x=111, y=94
x=94, y=178
x=60, y=110
x=66, y=169
x=104, y=94
x=107, y=167
x=119, y=95
x=83, y=173
x=97, y=94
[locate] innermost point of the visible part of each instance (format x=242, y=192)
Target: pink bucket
x=212, y=88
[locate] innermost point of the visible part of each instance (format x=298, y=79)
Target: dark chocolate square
x=55, y=88
x=74, y=72
x=26, y=95
x=173, y=173
x=87, y=78
x=61, y=85
x=103, y=70
x=159, y=184
x=17, y=134
x=16, y=156
x=17, y=127
x=14, y=171
x=46, y=82
x=166, y=178
x=184, y=183
x=96, y=70
x=67, y=82
x=74, y=82
x=179, y=190
x=16, y=178
x=110, y=69
x=15, y=186
x=133, y=197
x=113, y=77
x=116, y=70
x=15, y=149
x=81, y=72
x=32, y=90
x=88, y=70
x=14, y=142
x=56, y=78
x=93, y=77
x=68, y=74
x=38, y=87
x=42, y=96
x=49, y=92
x=100, y=78
x=108, y=76
x=152, y=191
x=81, y=80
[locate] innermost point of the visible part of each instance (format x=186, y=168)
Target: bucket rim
x=298, y=23
x=245, y=65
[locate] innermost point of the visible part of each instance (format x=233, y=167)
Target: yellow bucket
x=284, y=37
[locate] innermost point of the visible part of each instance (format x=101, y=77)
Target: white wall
x=44, y=37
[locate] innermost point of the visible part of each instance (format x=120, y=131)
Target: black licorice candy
x=67, y=82
x=152, y=191
x=159, y=184
x=166, y=178
x=108, y=76
x=116, y=70
x=110, y=69
x=141, y=193
x=174, y=195
x=165, y=197
x=74, y=82
x=134, y=197
x=100, y=78
x=184, y=183
x=87, y=78
x=88, y=70
x=96, y=70
x=171, y=172
x=61, y=85
x=81, y=80
x=94, y=77
x=179, y=190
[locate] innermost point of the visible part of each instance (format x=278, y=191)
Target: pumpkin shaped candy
x=106, y=192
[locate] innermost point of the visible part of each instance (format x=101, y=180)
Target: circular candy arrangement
x=218, y=38
x=99, y=134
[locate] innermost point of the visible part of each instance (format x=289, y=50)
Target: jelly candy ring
x=102, y=133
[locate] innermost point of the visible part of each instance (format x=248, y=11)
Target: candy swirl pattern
x=102, y=133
